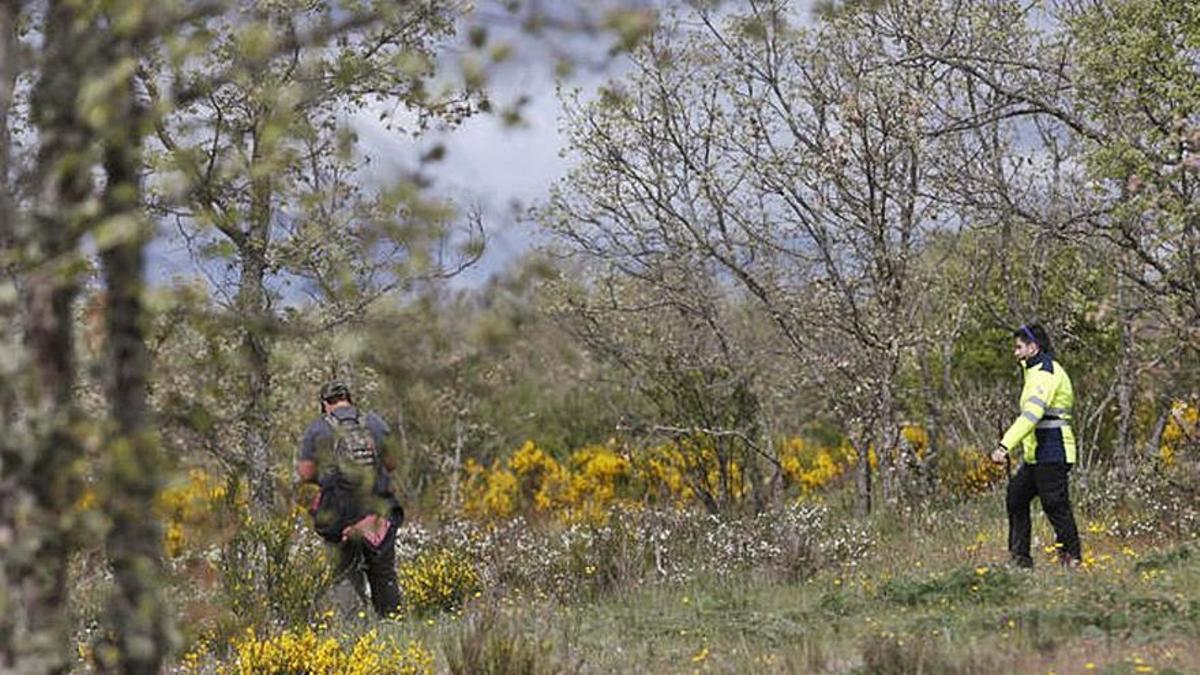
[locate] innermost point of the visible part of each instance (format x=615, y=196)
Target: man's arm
x=306, y=460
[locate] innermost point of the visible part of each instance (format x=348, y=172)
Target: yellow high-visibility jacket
x=1044, y=426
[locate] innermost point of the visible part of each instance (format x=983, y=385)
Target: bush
x=596, y=481
x=977, y=585
x=275, y=570
x=195, y=510
x=1153, y=502
x=308, y=652
x=965, y=472
x=231, y=570
x=795, y=541
x=583, y=560
x=813, y=467
x=437, y=580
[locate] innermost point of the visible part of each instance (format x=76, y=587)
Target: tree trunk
x=1154, y=443
x=9, y=331
x=256, y=416
x=937, y=439
x=754, y=475
x=887, y=449
x=887, y=446
x=9, y=43
x=256, y=348
x=253, y=309
x=862, y=478
x=138, y=617
x=458, y=448
x=1125, y=376
x=37, y=486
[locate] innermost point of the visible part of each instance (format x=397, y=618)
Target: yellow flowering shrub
x=674, y=471
x=659, y=473
x=437, y=580
x=309, y=652
x=190, y=505
x=968, y=471
x=597, y=475
x=702, y=459
x=811, y=467
x=1182, y=430
x=916, y=437
x=489, y=493
x=530, y=460
x=532, y=481
x=601, y=468
x=597, y=479
x=542, y=482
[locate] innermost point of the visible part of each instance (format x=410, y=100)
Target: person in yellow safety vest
x=1043, y=432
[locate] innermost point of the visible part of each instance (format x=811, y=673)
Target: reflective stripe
x=1052, y=424
x=1037, y=401
x=1060, y=412
x=1030, y=416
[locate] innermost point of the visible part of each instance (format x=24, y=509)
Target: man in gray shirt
x=347, y=452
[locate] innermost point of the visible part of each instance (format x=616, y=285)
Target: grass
x=931, y=595
x=930, y=598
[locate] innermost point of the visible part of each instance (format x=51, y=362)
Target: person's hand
x=999, y=455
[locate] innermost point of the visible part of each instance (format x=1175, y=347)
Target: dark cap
x=335, y=391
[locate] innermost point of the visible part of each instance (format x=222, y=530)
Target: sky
x=503, y=170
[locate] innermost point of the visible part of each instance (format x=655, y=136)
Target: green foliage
x=1139, y=90
x=985, y=584
x=1164, y=559
x=1118, y=41
x=631, y=27
x=495, y=362
x=982, y=354
x=274, y=572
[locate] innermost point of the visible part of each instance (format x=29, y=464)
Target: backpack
x=335, y=508
x=353, y=443
x=346, y=493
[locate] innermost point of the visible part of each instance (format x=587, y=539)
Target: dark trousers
x=364, y=564
x=1047, y=482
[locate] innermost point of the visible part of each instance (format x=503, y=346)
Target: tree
x=1097, y=99
x=40, y=455
x=1137, y=86
x=802, y=165
x=139, y=617
x=88, y=114
x=273, y=189
x=679, y=341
